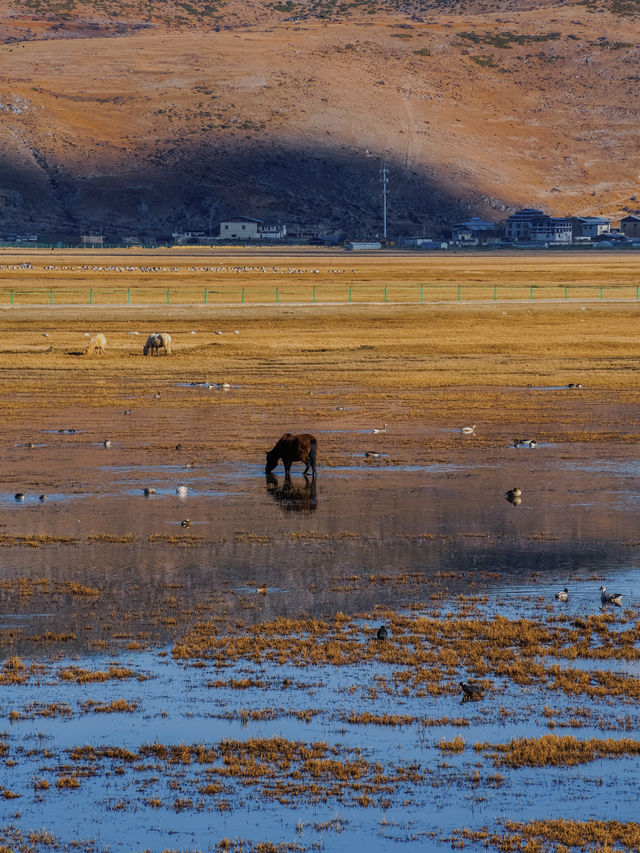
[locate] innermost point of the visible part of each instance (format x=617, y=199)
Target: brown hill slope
x=174, y=124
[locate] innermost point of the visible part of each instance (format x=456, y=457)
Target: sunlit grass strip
x=551, y=750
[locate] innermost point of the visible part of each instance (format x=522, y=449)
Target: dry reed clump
x=551, y=750
x=283, y=770
x=118, y=706
x=604, y=834
x=35, y=540
x=14, y=671
x=86, y=676
x=26, y=587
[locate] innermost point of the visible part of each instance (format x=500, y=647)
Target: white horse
x=96, y=344
x=155, y=342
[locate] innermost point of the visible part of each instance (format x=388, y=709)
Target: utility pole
x=384, y=178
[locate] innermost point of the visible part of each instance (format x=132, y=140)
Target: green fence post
x=637, y=291
x=422, y=293
x=459, y=294
x=205, y=296
x=168, y=296
x=51, y=297
x=314, y=293
x=12, y=297
x=531, y=293
x=128, y=296
x=91, y=296
x=385, y=292
x=242, y=296
x=349, y=293
x=601, y=292
x=495, y=292
x=566, y=292
x=277, y=296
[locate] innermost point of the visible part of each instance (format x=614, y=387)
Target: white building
x=590, y=226
x=247, y=228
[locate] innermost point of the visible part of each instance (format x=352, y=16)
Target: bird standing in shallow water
x=378, y=431
x=563, y=595
x=468, y=430
x=470, y=692
x=610, y=597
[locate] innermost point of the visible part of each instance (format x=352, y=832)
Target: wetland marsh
x=219, y=686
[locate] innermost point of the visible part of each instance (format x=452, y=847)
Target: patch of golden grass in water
x=536, y=835
x=118, y=706
x=431, y=650
x=283, y=770
x=551, y=750
x=87, y=676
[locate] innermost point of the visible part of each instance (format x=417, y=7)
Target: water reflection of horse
x=292, y=498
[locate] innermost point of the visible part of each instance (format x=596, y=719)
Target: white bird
x=563, y=595
x=378, y=431
x=469, y=430
x=610, y=597
x=107, y=443
x=181, y=490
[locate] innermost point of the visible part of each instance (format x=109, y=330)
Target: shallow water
x=413, y=538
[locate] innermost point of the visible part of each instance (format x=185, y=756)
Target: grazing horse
x=96, y=344
x=293, y=448
x=157, y=341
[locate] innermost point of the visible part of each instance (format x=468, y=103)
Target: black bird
x=382, y=633
x=470, y=692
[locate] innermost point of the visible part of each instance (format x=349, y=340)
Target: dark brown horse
x=293, y=448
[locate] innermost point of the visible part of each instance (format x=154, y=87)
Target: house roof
x=475, y=223
x=631, y=218
x=244, y=219
x=592, y=220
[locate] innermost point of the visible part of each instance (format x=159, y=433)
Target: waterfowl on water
x=185, y=523
x=471, y=692
x=610, y=597
x=43, y=498
x=382, y=633
x=149, y=490
x=514, y=496
x=19, y=496
x=563, y=595
x=378, y=431
x=107, y=443
x=524, y=442
x=468, y=430
x=262, y=589
x=182, y=490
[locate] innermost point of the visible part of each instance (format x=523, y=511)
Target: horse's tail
x=313, y=453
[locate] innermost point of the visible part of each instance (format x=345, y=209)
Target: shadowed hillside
x=137, y=119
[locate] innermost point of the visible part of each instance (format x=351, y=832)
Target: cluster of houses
x=525, y=227
x=533, y=227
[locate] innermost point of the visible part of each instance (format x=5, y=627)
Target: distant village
x=526, y=228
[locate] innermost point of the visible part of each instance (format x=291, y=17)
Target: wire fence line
x=316, y=294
